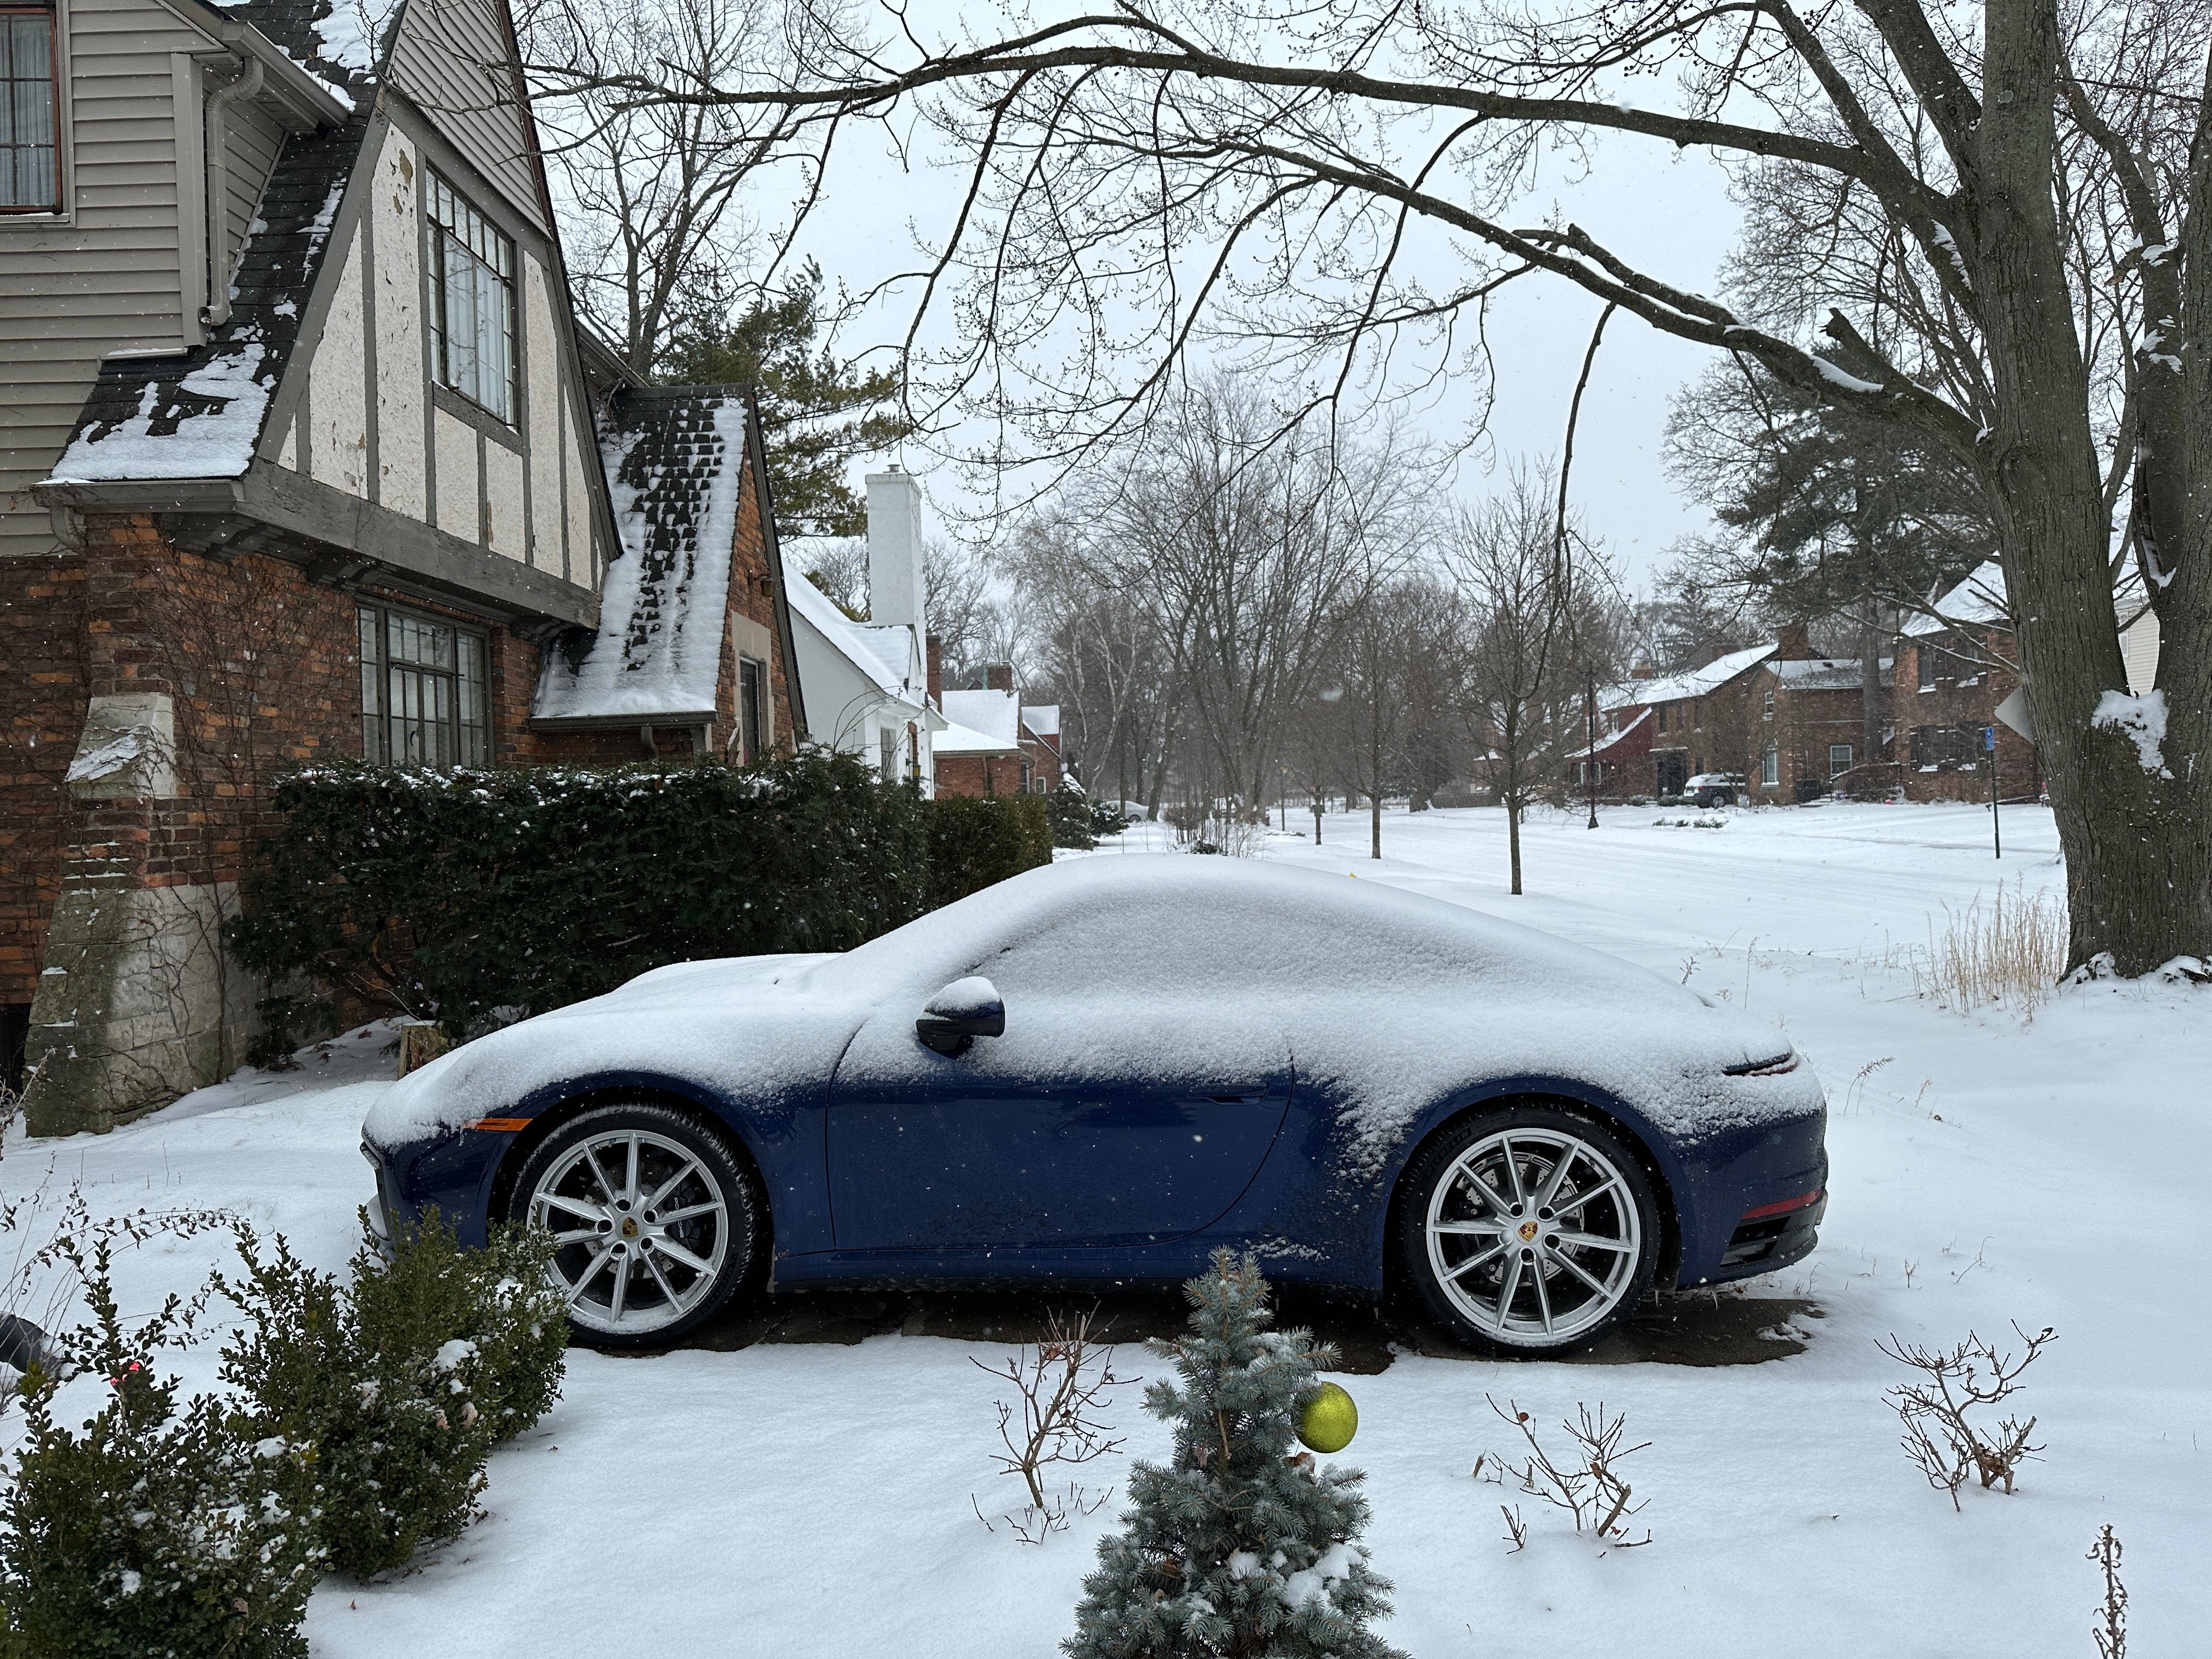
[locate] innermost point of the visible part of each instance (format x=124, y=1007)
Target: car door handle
x=1234, y=1097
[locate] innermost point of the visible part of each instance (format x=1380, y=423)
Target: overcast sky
x=1669, y=213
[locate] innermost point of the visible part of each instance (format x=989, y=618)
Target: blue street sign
x=1989, y=737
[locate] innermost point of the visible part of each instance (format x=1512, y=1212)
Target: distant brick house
x=302, y=455
x=1954, y=668
x=994, y=744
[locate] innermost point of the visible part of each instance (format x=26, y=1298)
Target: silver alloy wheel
x=640, y=1229
x=1534, y=1235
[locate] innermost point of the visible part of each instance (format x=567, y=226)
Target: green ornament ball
x=1328, y=1420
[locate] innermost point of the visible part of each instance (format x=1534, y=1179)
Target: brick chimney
x=1642, y=670
x=936, y=671
x=1793, y=642
x=999, y=677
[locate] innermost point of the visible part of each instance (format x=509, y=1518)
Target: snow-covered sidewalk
x=791, y=1501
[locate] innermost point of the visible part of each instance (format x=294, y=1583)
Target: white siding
x=509, y=530
x=544, y=419
x=400, y=390
x=337, y=390
x=455, y=447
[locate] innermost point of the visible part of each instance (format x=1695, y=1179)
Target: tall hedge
x=448, y=896
x=976, y=840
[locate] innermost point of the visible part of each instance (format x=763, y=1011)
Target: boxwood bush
x=467, y=897
x=975, y=840
x=398, y=1383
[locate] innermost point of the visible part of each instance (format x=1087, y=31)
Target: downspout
x=216, y=312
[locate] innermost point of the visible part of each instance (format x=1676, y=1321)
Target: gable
x=455, y=60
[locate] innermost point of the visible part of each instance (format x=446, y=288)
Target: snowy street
x=791, y=1499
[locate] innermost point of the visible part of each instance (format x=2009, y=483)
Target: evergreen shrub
x=469, y=897
x=1074, y=818
x=976, y=840
x=154, y=1528
x=398, y=1383
x=1239, y=1545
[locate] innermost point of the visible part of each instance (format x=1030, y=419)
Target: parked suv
x=1715, y=788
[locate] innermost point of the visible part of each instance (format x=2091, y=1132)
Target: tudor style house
x=306, y=457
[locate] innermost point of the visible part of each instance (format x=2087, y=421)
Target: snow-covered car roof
x=1388, y=1001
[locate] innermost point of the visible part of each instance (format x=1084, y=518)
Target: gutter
x=247, y=84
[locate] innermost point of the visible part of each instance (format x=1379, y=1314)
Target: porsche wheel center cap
x=630, y=1226
x=1527, y=1231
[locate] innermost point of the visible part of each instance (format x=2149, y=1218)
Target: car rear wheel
x=654, y=1223
x=1529, y=1231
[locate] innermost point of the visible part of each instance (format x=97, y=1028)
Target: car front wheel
x=1529, y=1231
x=654, y=1224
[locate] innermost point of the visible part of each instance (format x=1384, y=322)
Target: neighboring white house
x=866, y=685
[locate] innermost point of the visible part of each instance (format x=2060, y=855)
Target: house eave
x=339, y=538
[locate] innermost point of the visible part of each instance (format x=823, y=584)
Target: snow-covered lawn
x=795, y=1500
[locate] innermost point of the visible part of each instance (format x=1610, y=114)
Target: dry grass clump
x=2006, y=953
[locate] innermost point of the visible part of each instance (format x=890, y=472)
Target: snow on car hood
x=1387, y=1000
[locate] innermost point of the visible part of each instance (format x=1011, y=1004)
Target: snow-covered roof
x=996, y=715
x=1979, y=599
x=1696, y=682
x=882, y=655
x=1606, y=740
x=676, y=461
x=1826, y=673
x=1042, y=718
x=958, y=740
x=198, y=415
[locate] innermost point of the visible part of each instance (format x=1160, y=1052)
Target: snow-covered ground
x=792, y=1500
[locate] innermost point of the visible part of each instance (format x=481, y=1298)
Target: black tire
x=1605, y=1191
x=720, y=1222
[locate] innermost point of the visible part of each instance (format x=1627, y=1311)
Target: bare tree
x=1518, y=566
x=1989, y=229
x=1245, y=547
x=649, y=191
x=1400, y=669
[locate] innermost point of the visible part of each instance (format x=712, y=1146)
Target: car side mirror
x=963, y=1010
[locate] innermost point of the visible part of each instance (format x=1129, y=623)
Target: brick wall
x=42, y=695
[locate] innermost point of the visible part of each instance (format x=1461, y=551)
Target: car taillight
x=1784, y=1207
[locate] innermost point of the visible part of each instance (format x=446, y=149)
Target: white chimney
x=895, y=580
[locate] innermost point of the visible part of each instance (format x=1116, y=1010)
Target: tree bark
x=2138, y=861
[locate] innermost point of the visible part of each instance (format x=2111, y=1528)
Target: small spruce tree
x=1240, y=1548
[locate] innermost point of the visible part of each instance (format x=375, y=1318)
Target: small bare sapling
x=1587, y=1485
x=2111, y=1627
x=1943, y=1413
x=1063, y=1383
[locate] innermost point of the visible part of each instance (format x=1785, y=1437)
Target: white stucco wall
x=337, y=390
x=454, y=453
x=399, y=359
x=509, y=528
x=544, y=417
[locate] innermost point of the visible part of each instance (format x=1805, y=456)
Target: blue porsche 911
x=1097, y=1073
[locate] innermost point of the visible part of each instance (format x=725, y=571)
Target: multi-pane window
x=1839, y=759
x=1770, y=767
x=752, y=709
x=30, y=141
x=422, y=694
x=472, y=302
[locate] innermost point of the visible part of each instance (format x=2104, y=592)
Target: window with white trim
x=424, y=697
x=752, y=711
x=471, y=302
x=1770, y=769
x=1839, y=759
x=30, y=111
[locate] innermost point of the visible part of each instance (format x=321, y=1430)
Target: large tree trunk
x=2138, y=860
